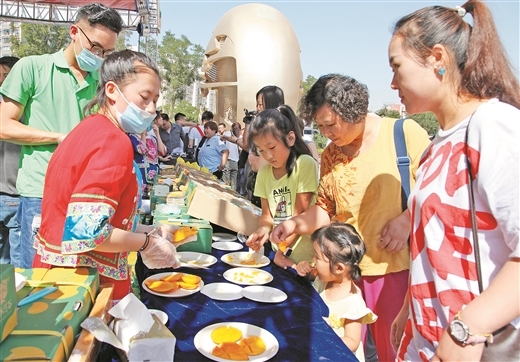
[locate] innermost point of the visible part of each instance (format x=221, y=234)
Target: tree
x=179, y=60
x=308, y=83
x=123, y=40
x=40, y=39
x=385, y=112
x=191, y=112
x=427, y=120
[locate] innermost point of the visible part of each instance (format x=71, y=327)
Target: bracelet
x=265, y=228
x=146, y=242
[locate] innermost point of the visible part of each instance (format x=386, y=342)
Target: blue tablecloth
x=296, y=323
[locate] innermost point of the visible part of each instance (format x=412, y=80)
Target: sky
x=347, y=37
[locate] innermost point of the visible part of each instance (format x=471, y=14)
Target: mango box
x=224, y=209
x=204, y=233
x=8, y=301
x=47, y=327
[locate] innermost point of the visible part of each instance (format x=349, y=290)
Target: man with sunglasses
x=50, y=91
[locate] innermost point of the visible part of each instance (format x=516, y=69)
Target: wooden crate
x=87, y=347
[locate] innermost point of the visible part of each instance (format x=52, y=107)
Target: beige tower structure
x=253, y=45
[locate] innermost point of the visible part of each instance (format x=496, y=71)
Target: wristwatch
x=459, y=331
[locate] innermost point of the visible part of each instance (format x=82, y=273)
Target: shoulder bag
x=506, y=340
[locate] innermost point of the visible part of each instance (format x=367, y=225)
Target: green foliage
x=182, y=106
x=384, y=112
x=40, y=39
x=320, y=141
x=427, y=120
x=123, y=40
x=308, y=83
x=179, y=60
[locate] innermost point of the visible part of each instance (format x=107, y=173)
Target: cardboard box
x=47, y=327
x=8, y=314
x=87, y=347
x=138, y=335
x=224, y=209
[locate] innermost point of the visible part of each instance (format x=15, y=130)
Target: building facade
x=8, y=29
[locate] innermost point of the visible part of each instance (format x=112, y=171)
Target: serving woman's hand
x=257, y=239
x=160, y=253
x=395, y=234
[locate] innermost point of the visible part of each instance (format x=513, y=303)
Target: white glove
x=160, y=253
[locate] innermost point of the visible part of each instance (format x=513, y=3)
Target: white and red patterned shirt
x=443, y=277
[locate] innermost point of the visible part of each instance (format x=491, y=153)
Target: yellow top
x=365, y=191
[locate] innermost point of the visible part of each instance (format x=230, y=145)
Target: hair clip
x=460, y=11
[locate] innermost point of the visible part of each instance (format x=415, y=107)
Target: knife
x=39, y=294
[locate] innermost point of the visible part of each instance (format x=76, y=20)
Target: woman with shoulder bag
x=463, y=299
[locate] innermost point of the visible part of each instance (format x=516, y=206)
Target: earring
x=441, y=71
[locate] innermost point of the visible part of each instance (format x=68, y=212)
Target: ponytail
x=488, y=72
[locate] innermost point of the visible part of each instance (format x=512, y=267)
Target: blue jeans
x=9, y=230
x=29, y=217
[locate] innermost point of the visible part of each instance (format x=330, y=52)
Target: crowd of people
x=424, y=279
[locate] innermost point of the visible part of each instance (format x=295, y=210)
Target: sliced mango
x=161, y=286
x=174, y=277
x=190, y=278
x=231, y=351
x=183, y=233
x=252, y=345
x=282, y=246
x=188, y=286
x=225, y=334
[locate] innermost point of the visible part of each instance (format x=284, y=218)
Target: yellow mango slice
x=253, y=345
x=225, y=334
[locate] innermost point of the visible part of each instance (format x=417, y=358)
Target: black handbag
x=506, y=340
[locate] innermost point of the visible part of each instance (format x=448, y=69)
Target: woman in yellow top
x=360, y=185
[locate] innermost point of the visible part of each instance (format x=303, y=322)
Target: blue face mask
x=86, y=60
x=134, y=119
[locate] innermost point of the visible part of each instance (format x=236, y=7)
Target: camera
x=250, y=115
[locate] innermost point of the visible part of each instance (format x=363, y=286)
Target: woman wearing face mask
x=91, y=190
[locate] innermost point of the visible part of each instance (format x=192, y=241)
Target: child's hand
x=257, y=239
x=304, y=268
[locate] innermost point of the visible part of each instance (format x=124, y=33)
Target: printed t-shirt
x=365, y=191
x=53, y=101
x=443, y=273
x=281, y=197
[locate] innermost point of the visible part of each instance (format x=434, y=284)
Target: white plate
x=163, y=317
x=196, y=259
x=227, y=245
x=205, y=345
x=176, y=293
x=247, y=276
x=224, y=237
x=19, y=281
x=246, y=259
x=262, y=293
x=222, y=291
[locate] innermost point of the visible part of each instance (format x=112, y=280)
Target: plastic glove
x=160, y=253
x=168, y=231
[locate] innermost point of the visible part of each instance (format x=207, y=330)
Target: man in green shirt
x=50, y=91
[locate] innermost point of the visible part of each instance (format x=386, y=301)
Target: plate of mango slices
x=236, y=341
x=173, y=284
